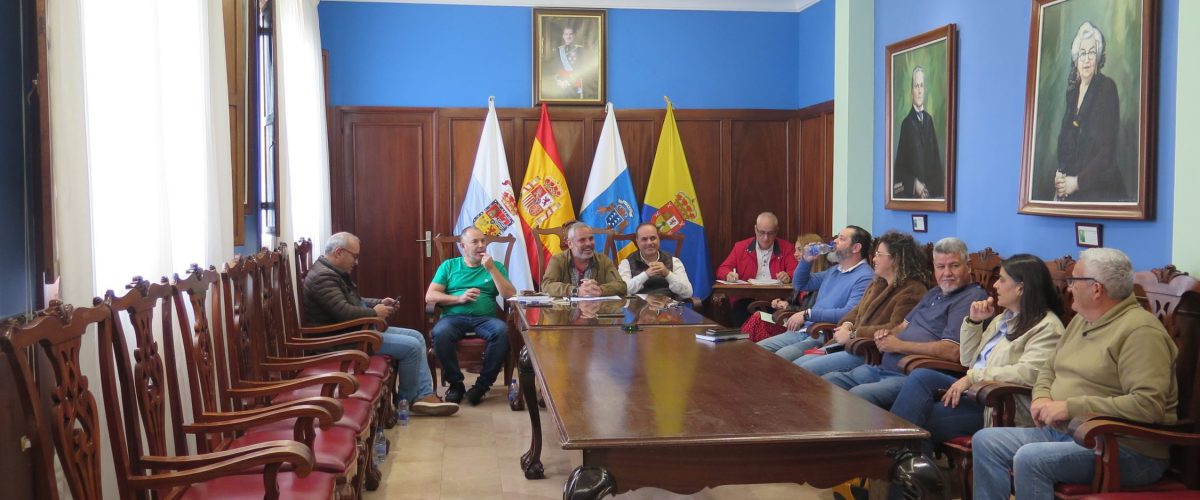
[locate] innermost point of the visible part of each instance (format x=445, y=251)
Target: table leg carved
x=588, y=483
x=531, y=461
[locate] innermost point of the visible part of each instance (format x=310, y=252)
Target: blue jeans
x=822, y=364
x=869, y=382
x=918, y=403
x=1041, y=457
x=790, y=345
x=407, y=348
x=450, y=329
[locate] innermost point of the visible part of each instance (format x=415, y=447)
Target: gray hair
x=769, y=216
x=575, y=228
x=338, y=240
x=915, y=70
x=1111, y=268
x=1087, y=31
x=951, y=246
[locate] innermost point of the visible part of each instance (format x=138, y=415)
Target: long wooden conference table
x=657, y=407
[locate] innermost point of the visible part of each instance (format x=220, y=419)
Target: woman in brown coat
x=901, y=274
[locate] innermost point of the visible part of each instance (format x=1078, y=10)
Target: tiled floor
x=476, y=454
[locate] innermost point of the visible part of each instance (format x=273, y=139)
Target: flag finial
x=667, y=99
x=608, y=107
x=491, y=100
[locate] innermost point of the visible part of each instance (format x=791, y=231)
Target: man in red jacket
x=765, y=256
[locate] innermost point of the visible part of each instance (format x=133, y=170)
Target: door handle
x=428, y=244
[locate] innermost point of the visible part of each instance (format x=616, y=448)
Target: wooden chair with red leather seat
x=258, y=355
x=211, y=395
x=75, y=438
x=1174, y=297
x=300, y=337
x=470, y=350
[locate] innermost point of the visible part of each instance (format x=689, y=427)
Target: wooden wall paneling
x=385, y=186
x=760, y=165
x=787, y=154
x=705, y=143
x=815, y=180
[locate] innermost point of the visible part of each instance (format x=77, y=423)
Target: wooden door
x=380, y=192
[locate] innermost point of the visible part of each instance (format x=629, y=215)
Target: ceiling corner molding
x=715, y=5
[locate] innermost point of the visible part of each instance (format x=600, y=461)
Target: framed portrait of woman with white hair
x=1089, y=114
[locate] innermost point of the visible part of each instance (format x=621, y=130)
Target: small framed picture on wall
x=1089, y=235
x=920, y=223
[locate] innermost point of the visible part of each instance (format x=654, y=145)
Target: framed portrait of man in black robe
x=920, y=121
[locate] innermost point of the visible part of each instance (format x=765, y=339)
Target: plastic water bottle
x=513, y=393
x=816, y=249
x=381, y=448
x=402, y=410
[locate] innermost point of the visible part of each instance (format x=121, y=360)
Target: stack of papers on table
x=756, y=281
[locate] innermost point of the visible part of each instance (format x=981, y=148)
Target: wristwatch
x=853, y=334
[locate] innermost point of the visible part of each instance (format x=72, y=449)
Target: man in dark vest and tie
x=651, y=271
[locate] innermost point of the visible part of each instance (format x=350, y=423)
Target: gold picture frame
x=570, y=56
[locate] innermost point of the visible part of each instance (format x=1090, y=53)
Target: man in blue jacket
x=839, y=289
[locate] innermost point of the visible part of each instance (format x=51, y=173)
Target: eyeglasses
x=352, y=254
x=1071, y=280
x=1089, y=53
x=764, y=233
x=882, y=254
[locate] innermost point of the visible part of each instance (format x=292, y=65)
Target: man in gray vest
x=650, y=271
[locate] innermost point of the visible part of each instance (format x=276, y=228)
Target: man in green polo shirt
x=466, y=288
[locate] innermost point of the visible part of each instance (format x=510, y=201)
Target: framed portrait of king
x=569, y=56
x=920, y=121
x=1089, y=110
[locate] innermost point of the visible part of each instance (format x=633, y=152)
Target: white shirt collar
x=844, y=271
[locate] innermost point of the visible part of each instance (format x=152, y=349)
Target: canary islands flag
x=608, y=201
x=490, y=205
x=671, y=205
x=545, y=200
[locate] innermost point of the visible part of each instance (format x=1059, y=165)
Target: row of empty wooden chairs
x=270, y=416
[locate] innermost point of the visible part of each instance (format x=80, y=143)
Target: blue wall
x=815, y=67
x=992, y=60
x=450, y=55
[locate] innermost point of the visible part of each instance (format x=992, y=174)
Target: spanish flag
x=672, y=206
x=545, y=201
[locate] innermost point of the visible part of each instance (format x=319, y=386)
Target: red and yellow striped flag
x=545, y=201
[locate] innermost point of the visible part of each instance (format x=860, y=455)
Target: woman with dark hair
x=1011, y=349
x=901, y=274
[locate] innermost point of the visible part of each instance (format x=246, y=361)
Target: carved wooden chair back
x=546, y=243
x=244, y=338
x=1174, y=297
x=143, y=381
x=271, y=268
x=203, y=346
x=985, y=269
x=1060, y=270
x=304, y=261
x=471, y=349
x=74, y=430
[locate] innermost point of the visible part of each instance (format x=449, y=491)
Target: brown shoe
x=433, y=406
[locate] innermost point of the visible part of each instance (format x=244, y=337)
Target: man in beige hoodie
x=1114, y=359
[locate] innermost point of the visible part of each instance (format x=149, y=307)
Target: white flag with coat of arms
x=490, y=204
x=608, y=201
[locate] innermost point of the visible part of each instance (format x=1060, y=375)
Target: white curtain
x=141, y=154
x=157, y=148
x=303, y=140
